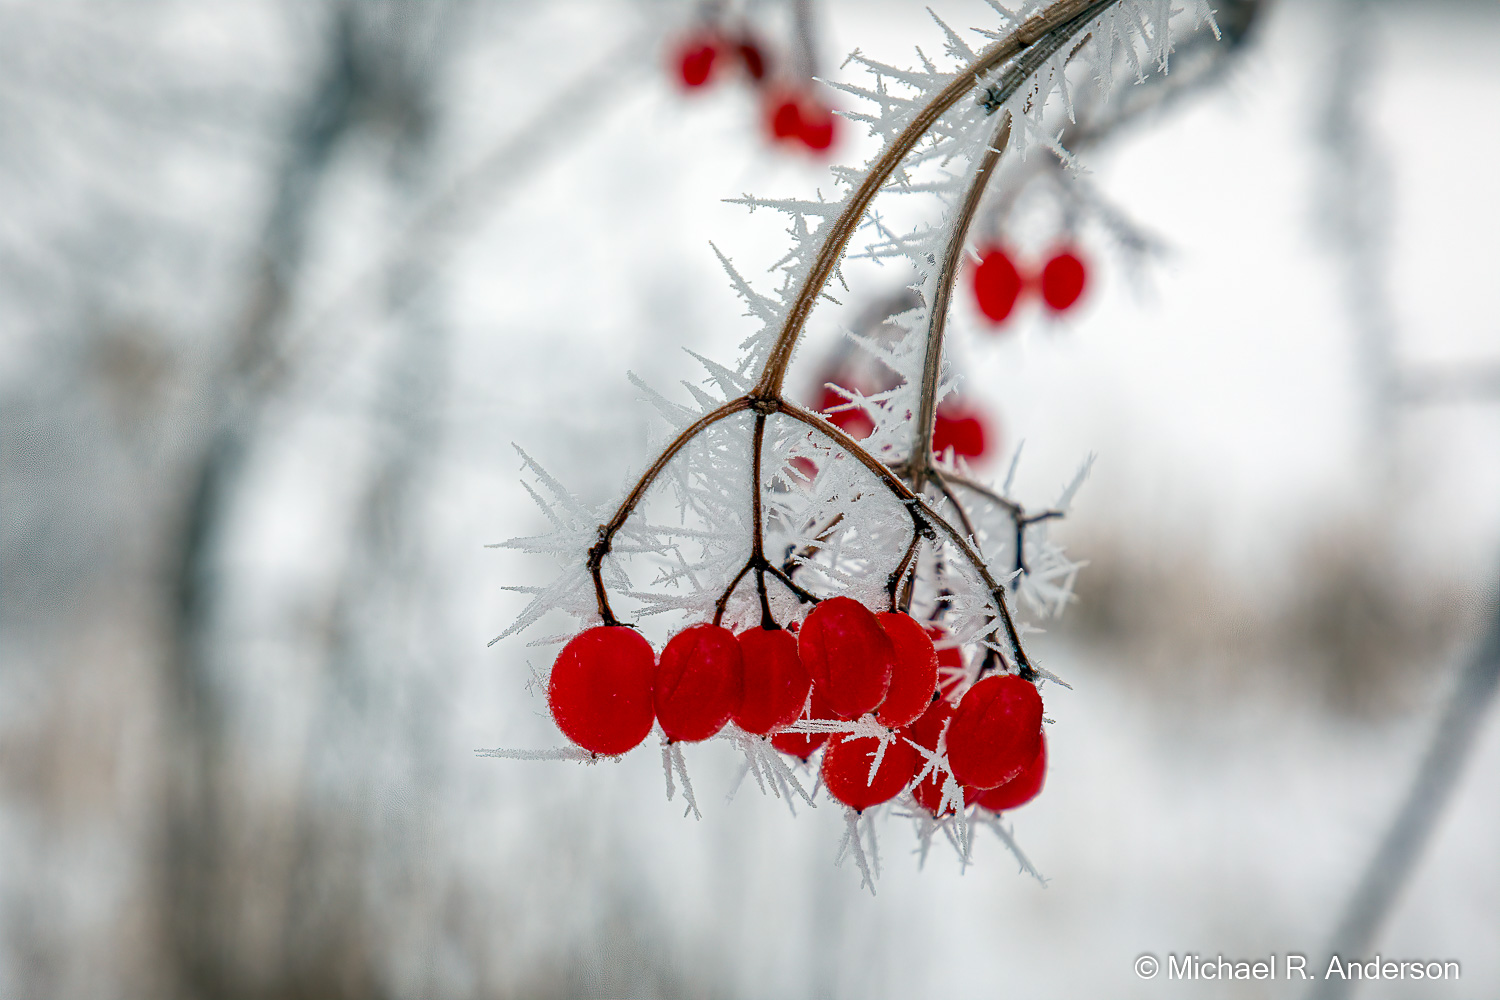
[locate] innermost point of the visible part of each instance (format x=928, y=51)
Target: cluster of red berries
x=844, y=662
x=791, y=114
x=998, y=282
x=959, y=425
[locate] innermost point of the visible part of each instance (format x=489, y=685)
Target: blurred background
x=281, y=283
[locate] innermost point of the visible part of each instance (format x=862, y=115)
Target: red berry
x=854, y=422
x=699, y=682
x=1022, y=788
x=753, y=58
x=996, y=284
x=600, y=691
x=776, y=683
x=926, y=732
x=817, y=126
x=996, y=731
x=695, y=60
x=1062, y=280
x=914, y=674
x=952, y=675
x=848, y=655
x=806, y=466
x=846, y=770
x=958, y=428
x=803, y=744
x=929, y=794
x=786, y=119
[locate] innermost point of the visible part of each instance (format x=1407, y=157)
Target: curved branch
x=1051, y=27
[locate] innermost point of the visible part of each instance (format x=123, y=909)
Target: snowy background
x=440, y=231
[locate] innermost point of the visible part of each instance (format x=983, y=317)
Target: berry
x=817, y=129
x=1022, y=788
x=929, y=794
x=914, y=675
x=952, y=675
x=927, y=732
x=695, y=60
x=848, y=655
x=803, y=744
x=600, y=690
x=846, y=770
x=776, y=683
x=958, y=428
x=806, y=466
x=786, y=119
x=997, y=283
x=753, y=58
x=1062, y=280
x=856, y=422
x=699, y=682
x=996, y=731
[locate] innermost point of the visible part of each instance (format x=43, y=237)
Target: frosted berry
x=699, y=682
x=914, y=672
x=1022, y=788
x=997, y=283
x=695, y=60
x=817, y=126
x=803, y=744
x=846, y=770
x=776, y=683
x=1062, y=280
x=996, y=731
x=600, y=691
x=929, y=794
x=927, y=732
x=848, y=656
x=959, y=428
x=952, y=675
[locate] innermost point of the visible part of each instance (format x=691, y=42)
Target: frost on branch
x=755, y=510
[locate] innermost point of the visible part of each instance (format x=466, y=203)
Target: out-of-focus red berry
x=699, y=682
x=846, y=770
x=952, y=675
x=854, y=422
x=600, y=689
x=914, y=674
x=996, y=731
x=695, y=59
x=776, y=683
x=818, y=125
x=997, y=283
x=753, y=58
x=786, y=119
x=1063, y=278
x=848, y=655
x=1022, y=788
x=806, y=466
x=959, y=428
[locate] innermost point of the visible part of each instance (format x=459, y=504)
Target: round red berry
x=695, y=60
x=699, y=682
x=996, y=731
x=803, y=744
x=997, y=283
x=848, y=655
x=817, y=126
x=1022, y=788
x=959, y=428
x=786, y=118
x=776, y=683
x=846, y=770
x=1063, y=279
x=913, y=674
x=854, y=422
x=953, y=676
x=600, y=690
x=929, y=794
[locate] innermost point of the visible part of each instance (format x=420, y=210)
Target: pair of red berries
x=998, y=283
x=799, y=117
x=989, y=737
x=698, y=54
x=958, y=426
